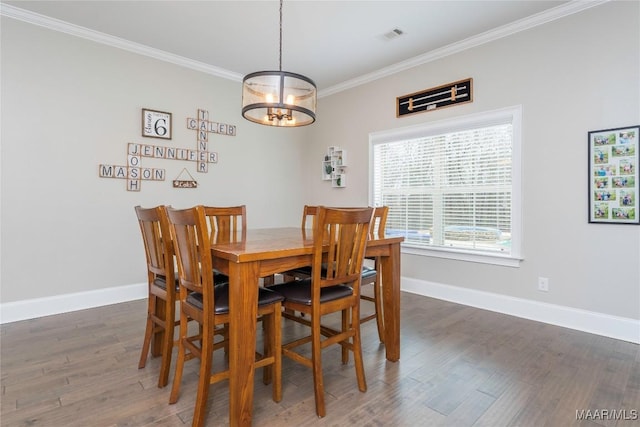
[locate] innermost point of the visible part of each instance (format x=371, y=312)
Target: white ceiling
x=338, y=44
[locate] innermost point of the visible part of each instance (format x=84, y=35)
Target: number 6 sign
x=156, y=124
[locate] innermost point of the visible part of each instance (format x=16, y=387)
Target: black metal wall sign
x=447, y=95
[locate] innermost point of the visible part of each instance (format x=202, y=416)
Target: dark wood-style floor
x=459, y=366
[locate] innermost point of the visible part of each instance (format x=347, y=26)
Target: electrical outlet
x=543, y=284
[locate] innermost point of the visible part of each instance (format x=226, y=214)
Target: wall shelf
x=334, y=167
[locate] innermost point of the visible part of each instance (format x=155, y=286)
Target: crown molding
x=117, y=42
x=550, y=15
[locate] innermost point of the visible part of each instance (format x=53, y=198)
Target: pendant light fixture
x=279, y=98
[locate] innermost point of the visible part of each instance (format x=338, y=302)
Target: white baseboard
x=38, y=307
x=621, y=328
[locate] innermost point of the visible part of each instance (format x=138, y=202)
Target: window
x=453, y=187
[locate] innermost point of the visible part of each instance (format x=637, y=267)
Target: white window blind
x=449, y=189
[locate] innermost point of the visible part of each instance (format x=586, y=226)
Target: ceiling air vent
x=395, y=33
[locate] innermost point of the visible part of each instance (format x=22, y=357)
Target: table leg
x=391, y=302
x=243, y=309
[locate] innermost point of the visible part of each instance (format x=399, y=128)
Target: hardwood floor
x=459, y=366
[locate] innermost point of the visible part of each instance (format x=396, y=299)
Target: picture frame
x=438, y=97
x=156, y=124
x=613, y=175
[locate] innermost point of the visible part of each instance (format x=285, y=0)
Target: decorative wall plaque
x=447, y=95
x=156, y=124
x=182, y=182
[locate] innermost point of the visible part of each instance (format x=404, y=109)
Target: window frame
x=511, y=115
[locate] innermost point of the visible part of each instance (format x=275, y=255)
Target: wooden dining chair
x=308, y=214
x=225, y=225
x=370, y=276
x=207, y=303
x=339, y=243
x=161, y=287
x=374, y=278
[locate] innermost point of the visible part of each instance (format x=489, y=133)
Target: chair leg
x=159, y=313
x=273, y=348
x=148, y=333
x=204, y=381
x=225, y=337
x=167, y=345
x=377, y=294
x=268, y=346
x=345, y=327
x=277, y=353
x=318, y=382
x=357, y=350
x=177, y=376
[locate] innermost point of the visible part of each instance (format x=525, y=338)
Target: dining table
x=264, y=252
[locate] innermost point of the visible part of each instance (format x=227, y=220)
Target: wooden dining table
x=262, y=253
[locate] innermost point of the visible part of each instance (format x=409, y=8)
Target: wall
x=571, y=76
x=68, y=105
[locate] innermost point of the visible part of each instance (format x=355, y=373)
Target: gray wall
x=69, y=104
x=573, y=75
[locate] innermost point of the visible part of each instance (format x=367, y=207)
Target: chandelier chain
x=280, y=60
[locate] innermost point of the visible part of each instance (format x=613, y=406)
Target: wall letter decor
x=159, y=126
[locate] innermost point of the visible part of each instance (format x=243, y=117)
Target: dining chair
x=339, y=243
x=161, y=288
x=225, y=225
x=308, y=213
x=377, y=229
x=370, y=276
x=207, y=303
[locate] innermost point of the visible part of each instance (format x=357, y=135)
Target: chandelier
x=279, y=98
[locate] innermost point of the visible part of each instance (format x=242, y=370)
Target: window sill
x=459, y=255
